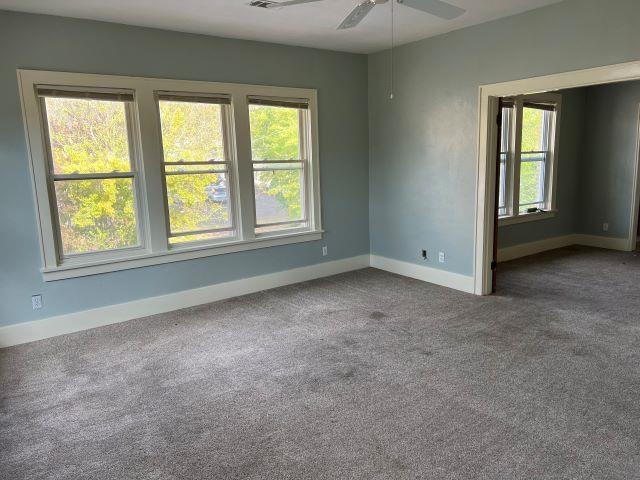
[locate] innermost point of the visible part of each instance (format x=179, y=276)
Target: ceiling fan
x=437, y=8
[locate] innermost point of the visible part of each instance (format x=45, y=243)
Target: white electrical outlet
x=36, y=302
x=324, y=251
x=441, y=257
x=605, y=227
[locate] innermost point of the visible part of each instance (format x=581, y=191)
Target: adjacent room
x=568, y=173
x=319, y=239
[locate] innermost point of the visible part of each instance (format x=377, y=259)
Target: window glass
x=198, y=202
x=96, y=215
x=94, y=182
x=532, y=169
x=191, y=131
x=87, y=136
x=533, y=130
x=274, y=133
x=196, y=171
x=279, y=195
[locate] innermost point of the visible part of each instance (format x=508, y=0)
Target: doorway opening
x=557, y=166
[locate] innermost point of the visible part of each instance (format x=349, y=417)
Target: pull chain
x=391, y=53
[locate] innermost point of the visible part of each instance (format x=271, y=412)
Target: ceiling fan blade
x=435, y=7
x=357, y=14
x=289, y=3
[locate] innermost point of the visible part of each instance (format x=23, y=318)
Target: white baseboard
x=531, y=248
x=612, y=243
x=424, y=273
x=97, y=317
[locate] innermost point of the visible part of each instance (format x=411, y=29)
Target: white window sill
x=526, y=217
x=176, y=255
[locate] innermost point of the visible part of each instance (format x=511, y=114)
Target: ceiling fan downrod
x=391, y=55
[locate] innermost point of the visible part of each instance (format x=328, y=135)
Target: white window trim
x=526, y=217
x=155, y=247
x=551, y=174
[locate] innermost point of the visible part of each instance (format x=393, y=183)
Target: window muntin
x=196, y=168
x=279, y=146
x=92, y=170
x=527, y=156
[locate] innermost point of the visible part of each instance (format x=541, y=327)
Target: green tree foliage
x=274, y=133
x=531, y=173
x=532, y=122
x=192, y=132
x=88, y=136
x=275, y=136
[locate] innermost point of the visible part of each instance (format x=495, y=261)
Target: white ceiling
x=309, y=25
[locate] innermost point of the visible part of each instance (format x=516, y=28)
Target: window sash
x=195, y=172
x=263, y=165
x=225, y=167
x=285, y=222
x=269, y=166
x=52, y=177
x=201, y=231
x=301, y=167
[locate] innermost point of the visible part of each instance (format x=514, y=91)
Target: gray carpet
x=365, y=375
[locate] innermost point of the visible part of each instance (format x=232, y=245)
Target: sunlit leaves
x=285, y=186
x=96, y=214
x=531, y=182
x=192, y=132
x=532, y=129
x=275, y=135
x=532, y=172
x=87, y=136
x=194, y=204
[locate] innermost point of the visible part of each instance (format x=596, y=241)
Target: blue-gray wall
x=570, y=163
x=606, y=181
x=53, y=43
x=423, y=144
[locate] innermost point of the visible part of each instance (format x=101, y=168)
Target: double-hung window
x=196, y=167
x=279, y=150
x=528, y=157
x=132, y=171
x=91, y=171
